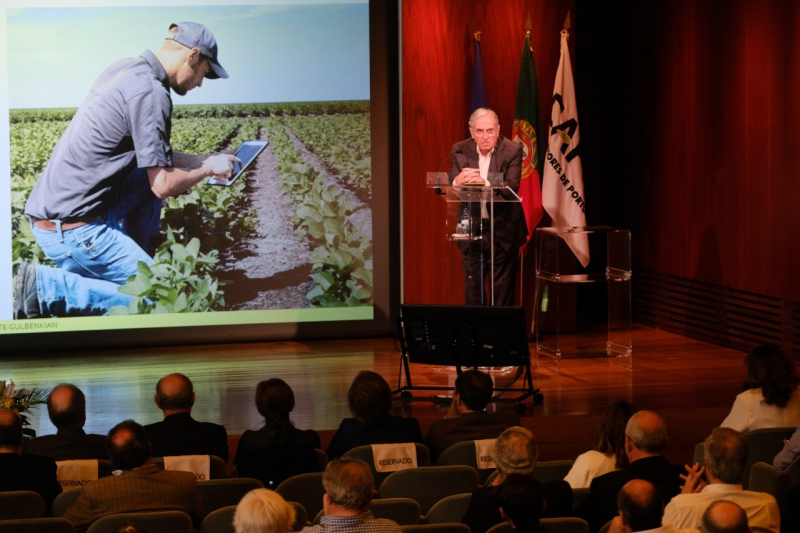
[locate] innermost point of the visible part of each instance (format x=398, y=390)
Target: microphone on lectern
x=438, y=190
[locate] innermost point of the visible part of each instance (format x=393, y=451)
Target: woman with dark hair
x=370, y=402
x=278, y=450
x=609, y=449
x=770, y=396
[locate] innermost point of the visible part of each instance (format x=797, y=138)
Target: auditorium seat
x=37, y=525
x=464, y=453
x=549, y=525
x=218, y=493
x=766, y=478
x=429, y=484
x=150, y=521
x=305, y=489
x=365, y=454
x=219, y=521
x=217, y=467
x=16, y=504
x=449, y=509
x=437, y=528
x=404, y=511
x=64, y=501
x=547, y=471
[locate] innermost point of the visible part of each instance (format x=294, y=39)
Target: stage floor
x=692, y=384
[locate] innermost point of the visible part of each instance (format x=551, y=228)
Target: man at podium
x=472, y=162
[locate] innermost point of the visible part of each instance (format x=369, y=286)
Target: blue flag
x=478, y=83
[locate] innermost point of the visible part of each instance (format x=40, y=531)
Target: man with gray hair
x=645, y=441
x=723, y=516
x=476, y=161
x=348, y=492
x=515, y=452
x=726, y=453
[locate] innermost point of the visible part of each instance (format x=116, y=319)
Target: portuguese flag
x=527, y=128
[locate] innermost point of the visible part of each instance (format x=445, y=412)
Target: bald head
x=174, y=394
x=724, y=516
x=647, y=432
x=10, y=431
x=641, y=505
x=66, y=406
x=128, y=446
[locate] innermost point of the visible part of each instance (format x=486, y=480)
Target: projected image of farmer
x=95, y=210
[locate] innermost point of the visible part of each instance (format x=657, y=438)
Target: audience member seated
x=261, y=511
x=770, y=398
x=726, y=452
x=141, y=486
x=724, y=516
x=467, y=419
x=641, y=508
x=66, y=407
x=370, y=403
x=179, y=433
x=24, y=472
x=790, y=451
x=130, y=528
x=521, y=502
x=609, y=449
x=348, y=493
x=645, y=441
x=278, y=450
x=515, y=452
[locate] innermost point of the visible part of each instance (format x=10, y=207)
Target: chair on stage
x=150, y=521
x=429, y=484
x=37, y=525
x=18, y=504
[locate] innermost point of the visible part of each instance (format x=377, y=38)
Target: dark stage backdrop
x=437, y=78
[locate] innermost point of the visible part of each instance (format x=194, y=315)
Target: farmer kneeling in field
x=96, y=207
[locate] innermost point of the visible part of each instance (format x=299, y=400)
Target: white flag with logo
x=562, y=184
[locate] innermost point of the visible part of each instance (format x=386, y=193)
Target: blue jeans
x=96, y=258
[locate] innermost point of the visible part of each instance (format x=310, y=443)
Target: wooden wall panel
x=716, y=164
x=437, y=57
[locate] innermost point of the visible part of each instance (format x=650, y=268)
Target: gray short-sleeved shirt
x=123, y=124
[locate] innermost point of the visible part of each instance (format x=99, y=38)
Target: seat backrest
x=300, y=516
x=404, y=511
x=449, y=509
x=21, y=504
x=218, y=469
x=305, y=489
x=150, y=521
x=765, y=444
x=322, y=458
x=463, y=453
x=64, y=501
x=578, y=495
x=566, y=524
x=437, y=528
x=503, y=527
x=37, y=525
x=365, y=454
x=218, y=493
x=277, y=463
x=547, y=471
x=766, y=478
x=75, y=473
x=219, y=521
x=429, y=484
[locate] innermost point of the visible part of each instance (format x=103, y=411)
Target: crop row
x=323, y=217
x=342, y=142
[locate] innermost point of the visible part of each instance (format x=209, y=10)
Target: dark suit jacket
x=600, y=505
x=470, y=426
x=484, y=507
x=29, y=472
x=352, y=433
x=180, y=434
x=510, y=229
x=67, y=444
x=142, y=489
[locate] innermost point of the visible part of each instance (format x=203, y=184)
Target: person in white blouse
x=609, y=450
x=770, y=398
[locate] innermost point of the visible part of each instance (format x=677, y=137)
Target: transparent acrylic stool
x=560, y=278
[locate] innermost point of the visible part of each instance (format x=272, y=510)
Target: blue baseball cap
x=194, y=35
